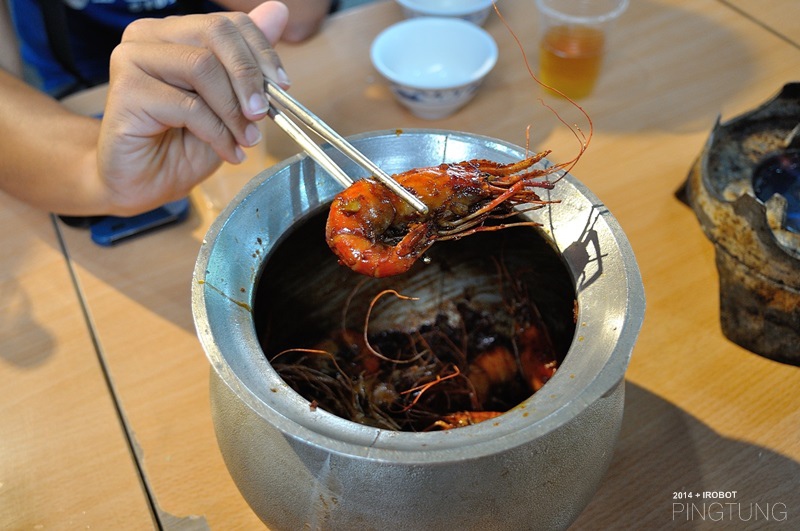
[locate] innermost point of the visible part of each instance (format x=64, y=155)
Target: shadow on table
x=656, y=78
x=153, y=270
x=25, y=340
x=678, y=84
x=638, y=490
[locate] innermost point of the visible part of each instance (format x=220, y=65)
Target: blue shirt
x=94, y=28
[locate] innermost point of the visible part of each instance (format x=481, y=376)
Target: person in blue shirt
x=168, y=121
x=65, y=44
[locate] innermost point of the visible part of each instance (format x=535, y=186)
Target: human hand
x=184, y=94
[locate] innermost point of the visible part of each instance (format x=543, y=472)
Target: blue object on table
x=109, y=230
x=780, y=174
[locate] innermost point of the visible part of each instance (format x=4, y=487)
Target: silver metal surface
x=316, y=124
x=536, y=467
x=309, y=146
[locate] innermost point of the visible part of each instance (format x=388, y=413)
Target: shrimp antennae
x=366, y=326
x=582, y=138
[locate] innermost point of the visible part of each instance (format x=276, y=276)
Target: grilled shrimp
x=375, y=233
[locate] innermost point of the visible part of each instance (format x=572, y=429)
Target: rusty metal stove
x=745, y=190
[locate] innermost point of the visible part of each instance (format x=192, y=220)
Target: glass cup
x=574, y=39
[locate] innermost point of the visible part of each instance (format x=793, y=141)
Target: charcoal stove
x=745, y=190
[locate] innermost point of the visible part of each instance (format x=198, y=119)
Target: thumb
x=271, y=18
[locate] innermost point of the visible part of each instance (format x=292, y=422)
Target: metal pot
x=536, y=466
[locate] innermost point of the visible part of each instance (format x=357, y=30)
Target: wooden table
x=105, y=423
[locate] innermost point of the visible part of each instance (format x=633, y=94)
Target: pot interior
x=304, y=296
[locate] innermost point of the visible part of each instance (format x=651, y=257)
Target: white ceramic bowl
x=475, y=11
x=433, y=64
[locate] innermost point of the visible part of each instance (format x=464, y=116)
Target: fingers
x=215, y=62
x=271, y=18
x=152, y=86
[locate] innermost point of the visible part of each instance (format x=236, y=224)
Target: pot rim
x=542, y=413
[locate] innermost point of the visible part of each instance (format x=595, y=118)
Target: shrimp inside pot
x=306, y=300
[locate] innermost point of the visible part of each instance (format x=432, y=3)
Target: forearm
x=48, y=153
